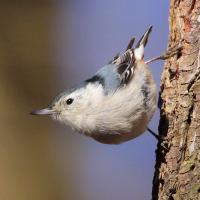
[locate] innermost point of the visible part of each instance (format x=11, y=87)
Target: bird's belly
x=110, y=138
x=120, y=136
x=122, y=117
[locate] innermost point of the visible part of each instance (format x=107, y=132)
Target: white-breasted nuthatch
x=116, y=104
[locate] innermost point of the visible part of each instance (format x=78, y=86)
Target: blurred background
x=46, y=47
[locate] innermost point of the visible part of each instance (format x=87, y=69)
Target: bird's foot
x=174, y=50
x=161, y=140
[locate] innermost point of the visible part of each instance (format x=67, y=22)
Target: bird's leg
x=160, y=139
x=154, y=134
x=169, y=53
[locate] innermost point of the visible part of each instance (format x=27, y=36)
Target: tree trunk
x=177, y=169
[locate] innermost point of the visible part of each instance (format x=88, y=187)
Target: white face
x=74, y=107
x=69, y=104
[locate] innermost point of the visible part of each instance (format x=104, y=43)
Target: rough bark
x=177, y=169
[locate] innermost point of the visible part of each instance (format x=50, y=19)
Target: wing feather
x=125, y=65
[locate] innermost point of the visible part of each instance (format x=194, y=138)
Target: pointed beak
x=45, y=111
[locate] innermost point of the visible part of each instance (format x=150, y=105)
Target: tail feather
x=130, y=44
x=144, y=39
x=139, y=48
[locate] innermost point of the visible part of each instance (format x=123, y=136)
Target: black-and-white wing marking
x=125, y=64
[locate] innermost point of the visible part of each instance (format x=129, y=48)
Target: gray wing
x=116, y=74
x=108, y=77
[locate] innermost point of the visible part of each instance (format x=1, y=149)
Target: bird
x=116, y=104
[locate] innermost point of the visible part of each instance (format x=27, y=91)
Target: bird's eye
x=69, y=101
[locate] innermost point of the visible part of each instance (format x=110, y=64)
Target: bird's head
x=73, y=106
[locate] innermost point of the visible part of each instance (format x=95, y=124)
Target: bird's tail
x=139, y=48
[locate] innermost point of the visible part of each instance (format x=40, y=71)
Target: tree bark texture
x=177, y=169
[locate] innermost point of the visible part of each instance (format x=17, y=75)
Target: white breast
x=121, y=116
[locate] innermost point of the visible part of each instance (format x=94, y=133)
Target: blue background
x=96, y=31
